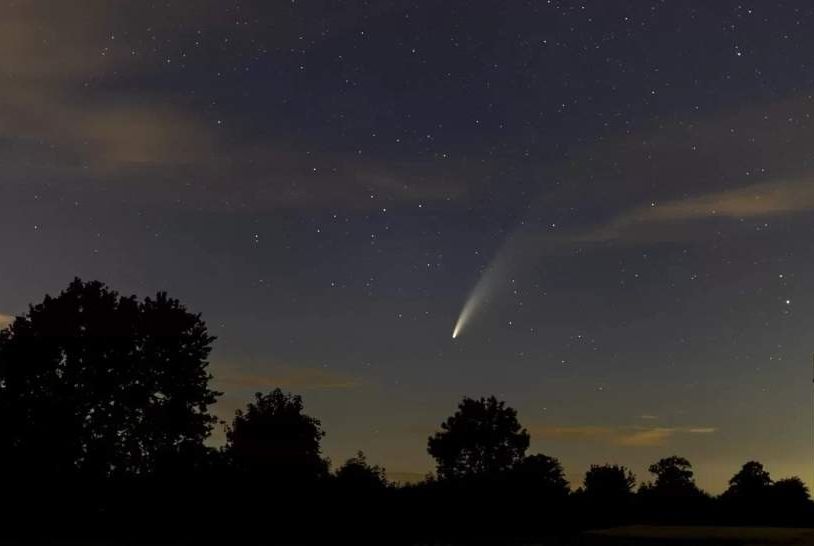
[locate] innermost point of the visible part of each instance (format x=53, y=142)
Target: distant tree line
x=105, y=409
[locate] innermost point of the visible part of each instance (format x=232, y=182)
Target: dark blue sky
x=625, y=188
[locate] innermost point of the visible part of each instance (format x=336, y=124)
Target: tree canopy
x=609, y=482
x=542, y=474
x=356, y=473
x=674, y=477
x=104, y=402
x=97, y=384
x=752, y=481
x=483, y=436
x=790, y=491
x=274, y=438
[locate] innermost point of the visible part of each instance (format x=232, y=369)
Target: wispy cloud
x=702, y=430
x=633, y=436
x=765, y=199
x=50, y=59
x=63, y=108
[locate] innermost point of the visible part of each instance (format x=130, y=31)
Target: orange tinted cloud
x=5, y=320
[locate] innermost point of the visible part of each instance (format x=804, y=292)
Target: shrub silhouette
x=358, y=475
x=482, y=437
x=534, y=496
x=609, y=483
x=541, y=475
x=358, y=492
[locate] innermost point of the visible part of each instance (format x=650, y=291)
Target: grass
x=647, y=535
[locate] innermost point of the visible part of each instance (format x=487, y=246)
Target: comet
x=481, y=294
x=472, y=303
x=519, y=248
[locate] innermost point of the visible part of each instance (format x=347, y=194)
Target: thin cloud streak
x=620, y=436
x=759, y=200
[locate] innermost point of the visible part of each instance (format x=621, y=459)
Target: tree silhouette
x=753, y=497
x=606, y=496
x=98, y=385
x=542, y=474
x=789, y=501
x=482, y=437
x=751, y=482
x=609, y=483
x=790, y=492
x=673, y=497
x=359, y=475
x=674, y=478
x=272, y=438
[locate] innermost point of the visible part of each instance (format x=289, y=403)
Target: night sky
x=619, y=195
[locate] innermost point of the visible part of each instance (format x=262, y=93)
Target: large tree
x=674, y=479
x=95, y=384
x=483, y=436
x=752, y=482
x=273, y=438
x=674, y=475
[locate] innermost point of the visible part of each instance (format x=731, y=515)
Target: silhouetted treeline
x=105, y=409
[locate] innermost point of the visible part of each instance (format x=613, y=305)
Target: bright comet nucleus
x=462, y=319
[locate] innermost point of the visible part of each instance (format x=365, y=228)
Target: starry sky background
x=327, y=181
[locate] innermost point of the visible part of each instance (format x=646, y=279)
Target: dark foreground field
x=644, y=535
